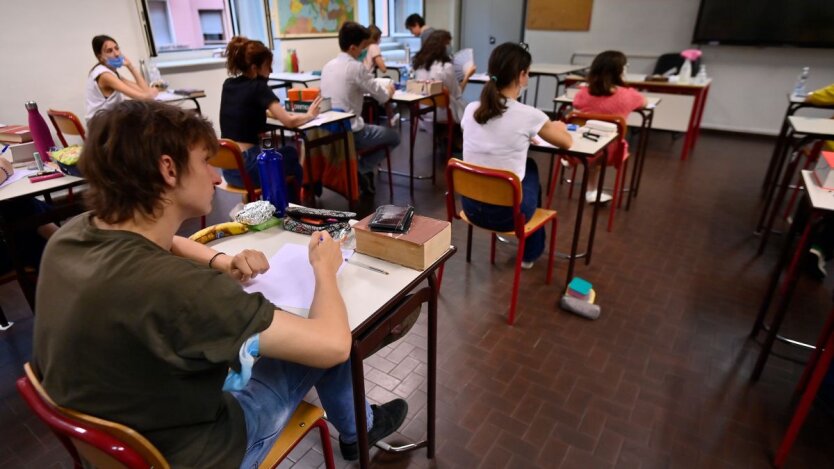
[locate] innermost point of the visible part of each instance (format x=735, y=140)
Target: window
x=399, y=11
x=211, y=22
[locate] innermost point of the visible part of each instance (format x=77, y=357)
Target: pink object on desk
x=46, y=177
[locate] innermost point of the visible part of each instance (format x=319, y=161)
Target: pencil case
x=45, y=177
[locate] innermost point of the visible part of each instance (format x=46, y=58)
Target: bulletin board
x=559, y=15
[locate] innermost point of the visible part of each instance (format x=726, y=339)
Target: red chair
x=105, y=444
x=618, y=159
x=497, y=187
x=445, y=101
x=67, y=123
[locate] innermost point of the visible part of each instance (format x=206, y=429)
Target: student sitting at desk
x=244, y=101
x=105, y=87
x=434, y=62
x=497, y=132
x=606, y=93
x=372, y=56
x=345, y=81
x=417, y=26
x=30, y=243
x=137, y=325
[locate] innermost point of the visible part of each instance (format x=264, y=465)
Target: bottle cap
x=31, y=106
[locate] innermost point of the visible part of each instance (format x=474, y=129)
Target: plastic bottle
x=273, y=184
x=799, y=87
x=288, y=61
x=40, y=132
x=701, y=78
x=294, y=61
x=685, y=74
x=407, y=53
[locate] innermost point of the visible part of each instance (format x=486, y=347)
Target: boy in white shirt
x=345, y=81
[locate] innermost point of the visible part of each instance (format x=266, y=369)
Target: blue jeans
x=275, y=390
x=497, y=217
x=371, y=136
x=292, y=167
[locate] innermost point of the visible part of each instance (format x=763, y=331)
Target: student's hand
x=245, y=265
x=325, y=253
x=471, y=71
x=6, y=165
x=127, y=63
x=154, y=91
x=314, y=108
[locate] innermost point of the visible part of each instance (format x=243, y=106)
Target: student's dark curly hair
x=120, y=159
x=433, y=50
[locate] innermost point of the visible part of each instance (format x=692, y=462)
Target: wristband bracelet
x=214, y=257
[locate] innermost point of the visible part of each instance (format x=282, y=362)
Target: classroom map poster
x=311, y=18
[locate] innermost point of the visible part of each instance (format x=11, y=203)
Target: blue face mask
x=116, y=62
x=362, y=55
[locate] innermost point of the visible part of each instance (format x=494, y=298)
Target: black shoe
x=366, y=184
x=387, y=419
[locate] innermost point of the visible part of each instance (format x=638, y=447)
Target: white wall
x=750, y=83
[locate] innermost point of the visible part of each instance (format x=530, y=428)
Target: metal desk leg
x=578, y=225
x=638, y=158
x=600, y=185
x=703, y=103
x=643, y=159
x=690, y=129
x=431, y=405
x=781, y=140
x=358, y=376
x=772, y=204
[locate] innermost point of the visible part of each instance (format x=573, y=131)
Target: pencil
x=366, y=266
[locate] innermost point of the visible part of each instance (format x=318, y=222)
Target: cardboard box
x=824, y=172
x=302, y=106
x=424, y=87
x=420, y=247
x=302, y=94
x=20, y=153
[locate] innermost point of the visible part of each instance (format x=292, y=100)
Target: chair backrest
x=483, y=184
x=229, y=156
x=441, y=101
x=673, y=59
x=102, y=443
x=67, y=123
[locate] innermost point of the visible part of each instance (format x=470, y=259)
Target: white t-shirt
x=373, y=52
x=504, y=140
x=445, y=72
x=96, y=101
x=345, y=81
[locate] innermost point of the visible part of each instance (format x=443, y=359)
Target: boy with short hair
x=417, y=25
x=345, y=81
x=137, y=325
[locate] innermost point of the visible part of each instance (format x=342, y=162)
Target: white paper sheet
x=289, y=282
x=17, y=175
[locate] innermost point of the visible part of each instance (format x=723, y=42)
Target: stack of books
x=15, y=134
x=582, y=289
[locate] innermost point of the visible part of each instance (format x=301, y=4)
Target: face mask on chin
x=116, y=62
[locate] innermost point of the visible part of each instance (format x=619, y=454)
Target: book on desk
x=420, y=247
x=15, y=134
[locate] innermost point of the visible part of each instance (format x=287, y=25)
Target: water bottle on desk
x=701, y=78
x=40, y=132
x=273, y=184
x=799, y=87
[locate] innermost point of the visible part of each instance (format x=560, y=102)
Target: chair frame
x=61, y=121
x=519, y=221
x=621, y=163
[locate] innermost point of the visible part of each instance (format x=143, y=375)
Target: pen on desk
x=5, y=147
x=365, y=266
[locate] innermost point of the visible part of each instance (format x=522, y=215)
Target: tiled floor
x=659, y=380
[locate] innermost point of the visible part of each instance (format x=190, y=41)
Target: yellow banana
x=221, y=230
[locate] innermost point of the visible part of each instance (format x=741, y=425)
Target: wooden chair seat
x=538, y=219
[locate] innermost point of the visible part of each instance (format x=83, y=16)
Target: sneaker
x=815, y=263
x=591, y=197
x=527, y=265
x=387, y=419
x=394, y=120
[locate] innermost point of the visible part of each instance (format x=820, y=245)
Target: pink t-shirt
x=621, y=103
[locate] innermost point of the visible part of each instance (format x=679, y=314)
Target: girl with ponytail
x=497, y=132
x=244, y=101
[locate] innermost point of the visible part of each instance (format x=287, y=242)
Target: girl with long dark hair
x=434, y=62
x=105, y=87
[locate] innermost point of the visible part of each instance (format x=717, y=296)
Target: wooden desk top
x=406, y=97
x=25, y=188
x=554, y=69
x=821, y=199
x=168, y=97
x=581, y=146
x=294, y=77
x=638, y=80
x=812, y=126
x=364, y=291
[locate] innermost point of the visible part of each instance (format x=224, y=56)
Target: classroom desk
x=821, y=201
x=777, y=159
x=802, y=130
x=698, y=91
x=173, y=98
x=417, y=107
x=292, y=77
x=584, y=150
x=646, y=117
x=557, y=71
x=21, y=189
x=375, y=303
x=342, y=119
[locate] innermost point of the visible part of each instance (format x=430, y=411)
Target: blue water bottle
x=273, y=184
